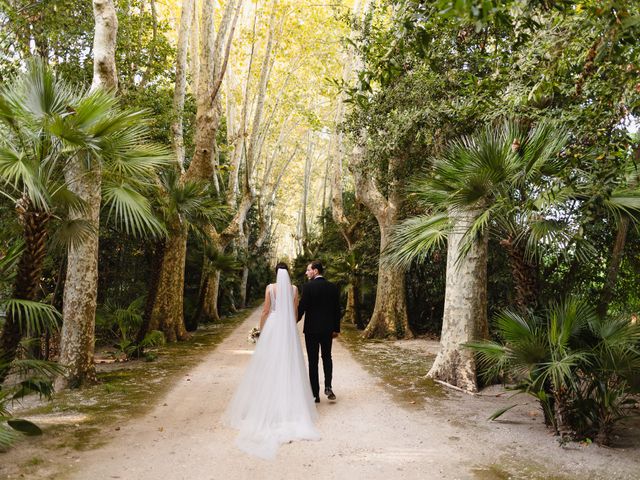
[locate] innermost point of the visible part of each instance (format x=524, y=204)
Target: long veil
x=274, y=403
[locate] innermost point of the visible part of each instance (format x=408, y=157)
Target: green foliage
x=49, y=124
x=575, y=363
x=436, y=71
x=35, y=376
x=121, y=324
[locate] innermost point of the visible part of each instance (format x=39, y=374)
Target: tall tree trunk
x=214, y=54
x=167, y=313
x=352, y=312
x=35, y=229
x=243, y=287
x=306, y=185
x=351, y=63
x=389, y=318
x=104, y=45
x=614, y=266
x=181, y=80
x=465, y=306
x=81, y=284
x=210, y=297
x=194, y=47
x=152, y=292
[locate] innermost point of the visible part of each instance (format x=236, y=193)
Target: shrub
x=576, y=364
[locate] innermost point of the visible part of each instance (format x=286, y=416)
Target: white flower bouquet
x=253, y=335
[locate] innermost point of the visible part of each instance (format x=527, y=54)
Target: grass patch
x=80, y=420
x=402, y=371
x=520, y=471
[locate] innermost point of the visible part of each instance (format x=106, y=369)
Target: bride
x=274, y=404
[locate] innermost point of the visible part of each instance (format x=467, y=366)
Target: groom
x=320, y=304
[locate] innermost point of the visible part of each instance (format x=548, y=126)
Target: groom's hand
x=335, y=334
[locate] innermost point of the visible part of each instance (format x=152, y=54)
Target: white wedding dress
x=274, y=404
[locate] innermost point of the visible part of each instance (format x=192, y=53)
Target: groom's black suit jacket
x=320, y=303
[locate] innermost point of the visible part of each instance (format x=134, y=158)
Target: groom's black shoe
x=317, y=399
x=329, y=393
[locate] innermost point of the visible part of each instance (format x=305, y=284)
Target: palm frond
x=624, y=202
x=19, y=172
x=24, y=426
x=38, y=368
x=415, y=238
x=71, y=233
x=567, y=319
x=498, y=413
x=492, y=359
x=131, y=211
x=561, y=370
x=475, y=232
x=91, y=109
x=42, y=386
x=513, y=326
x=9, y=261
x=64, y=199
x=154, y=338
x=8, y=436
x=40, y=93
x=218, y=260
x=541, y=149
x=33, y=317
x=140, y=161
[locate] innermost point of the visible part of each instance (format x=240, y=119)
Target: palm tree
x=46, y=124
x=188, y=205
x=576, y=364
x=498, y=182
x=33, y=376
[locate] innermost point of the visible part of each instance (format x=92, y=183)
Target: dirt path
x=364, y=435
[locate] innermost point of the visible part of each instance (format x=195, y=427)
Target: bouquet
x=254, y=334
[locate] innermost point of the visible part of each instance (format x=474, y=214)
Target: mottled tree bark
x=167, y=312
x=181, y=80
x=104, y=45
x=81, y=284
x=352, y=312
x=389, y=318
x=210, y=297
x=465, y=306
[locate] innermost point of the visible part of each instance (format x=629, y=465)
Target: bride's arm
x=295, y=299
x=266, y=308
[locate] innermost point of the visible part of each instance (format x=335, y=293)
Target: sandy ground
x=365, y=435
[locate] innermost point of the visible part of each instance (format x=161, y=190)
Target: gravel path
x=365, y=434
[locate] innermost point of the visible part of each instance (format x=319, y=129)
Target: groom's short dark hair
x=317, y=265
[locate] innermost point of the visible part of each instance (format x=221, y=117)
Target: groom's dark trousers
x=320, y=305
x=321, y=342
